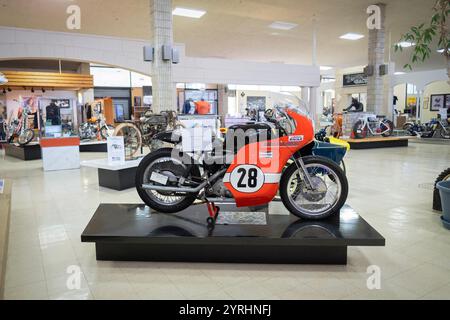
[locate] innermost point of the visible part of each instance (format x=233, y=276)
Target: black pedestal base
x=25, y=153
x=94, y=147
x=117, y=179
x=378, y=143
x=136, y=233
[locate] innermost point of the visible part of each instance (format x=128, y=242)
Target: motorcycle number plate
x=159, y=178
x=247, y=179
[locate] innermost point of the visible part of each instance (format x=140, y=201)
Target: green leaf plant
x=424, y=36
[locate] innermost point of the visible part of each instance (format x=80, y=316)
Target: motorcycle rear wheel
x=311, y=208
x=155, y=199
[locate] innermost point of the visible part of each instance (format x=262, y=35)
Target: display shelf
x=93, y=146
x=29, y=152
x=378, y=142
x=129, y=232
x=118, y=176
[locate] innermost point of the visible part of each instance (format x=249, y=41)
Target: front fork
x=302, y=168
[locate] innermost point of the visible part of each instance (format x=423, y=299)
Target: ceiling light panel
x=280, y=25
x=352, y=36
x=189, y=13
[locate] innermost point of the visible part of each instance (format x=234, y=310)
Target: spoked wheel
x=26, y=137
x=153, y=169
x=360, y=130
x=445, y=133
x=387, y=125
x=328, y=195
x=132, y=138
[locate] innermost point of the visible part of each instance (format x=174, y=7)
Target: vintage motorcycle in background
x=140, y=134
x=371, y=125
x=310, y=187
x=18, y=128
x=92, y=129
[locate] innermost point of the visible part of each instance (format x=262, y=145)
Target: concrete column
x=164, y=90
x=375, y=86
x=305, y=94
x=314, y=102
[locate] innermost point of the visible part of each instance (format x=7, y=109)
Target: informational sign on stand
x=116, y=150
x=2, y=185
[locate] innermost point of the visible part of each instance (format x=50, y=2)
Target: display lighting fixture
x=351, y=36
x=9, y=89
x=406, y=44
x=281, y=25
x=43, y=90
x=32, y=90
x=325, y=68
x=189, y=13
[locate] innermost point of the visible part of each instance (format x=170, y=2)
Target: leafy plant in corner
x=424, y=36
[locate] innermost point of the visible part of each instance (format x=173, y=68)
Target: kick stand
x=213, y=215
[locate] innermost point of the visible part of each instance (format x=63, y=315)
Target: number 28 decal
x=247, y=178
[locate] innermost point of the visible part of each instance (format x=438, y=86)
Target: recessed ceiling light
x=190, y=13
x=352, y=36
x=406, y=44
x=325, y=68
x=399, y=73
x=280, y=25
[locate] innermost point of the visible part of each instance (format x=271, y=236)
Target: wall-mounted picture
x=356, y=79
x=62, y=103
x=447, y=101
x=437, y=102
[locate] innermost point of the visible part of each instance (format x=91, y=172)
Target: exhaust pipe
x=182, y=189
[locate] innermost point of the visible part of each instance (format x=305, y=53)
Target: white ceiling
x=238, y=29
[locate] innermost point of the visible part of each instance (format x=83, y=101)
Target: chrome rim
x=319, y=201
x=166, y=199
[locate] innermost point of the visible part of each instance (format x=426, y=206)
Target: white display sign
x=2, y=185
x=116, y=150
x=197, y=139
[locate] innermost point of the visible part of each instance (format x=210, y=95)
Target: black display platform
x=94, y=147
x=377, y=143
x=135, y=233
x=117, y=179
x=26, y=153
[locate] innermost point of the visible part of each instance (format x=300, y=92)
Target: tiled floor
x=391, y=188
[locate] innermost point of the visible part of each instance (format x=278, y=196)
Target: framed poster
x=355, y=79
x=437, y=102
x=447, y=101
x=62, y=103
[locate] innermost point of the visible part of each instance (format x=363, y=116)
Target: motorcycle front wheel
x=445, y=133
x=326, y=198
x=163, y=163
x=389, y=126
x=26, y=137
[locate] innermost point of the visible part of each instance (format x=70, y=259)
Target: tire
x=444, y=135
x=121, y=130
x=147, y=161
x=26, y=138
x=390, y=125
x=407, y=127
x=335, y=209
x=358, y=132
x=444, y=176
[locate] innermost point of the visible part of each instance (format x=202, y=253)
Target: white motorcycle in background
x=374, y=126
